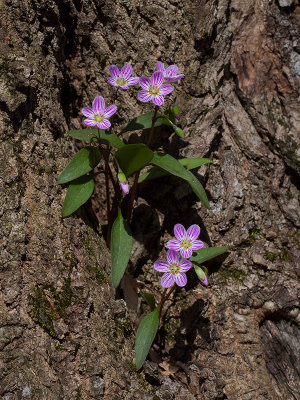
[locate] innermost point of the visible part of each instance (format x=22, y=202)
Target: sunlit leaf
x=79, y=191
x=208, y=253
x=145, y=121
x=106, y=138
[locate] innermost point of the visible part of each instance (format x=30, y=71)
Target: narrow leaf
x=145, y=335
x=208, y=253
x=106, y=138
x=121, y=244
x=132, y=157
x=145, y=121
x=149, y=299
x=79, y=191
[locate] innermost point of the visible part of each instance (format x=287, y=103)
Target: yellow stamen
x=98, y=118
x=185, y=243
x=174, y=268
x=154, y=90
x=121, y=81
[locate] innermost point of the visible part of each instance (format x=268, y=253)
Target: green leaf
x=171, y=165
x=208, y=253
x=84, y=161
x=149, y=299
x=79, y=191
x=145, y=121
x=145, y=335
x=106, y=138
x=189, y=163
x=132, y=157
x=121, y=244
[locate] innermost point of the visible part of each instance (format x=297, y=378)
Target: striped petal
x=133, y=81
x=174, y=78
x=112, y=81
x=126, y=71
x=114, y=71
x=124, y=187
x=197, y=245
x=124, y=87
x=172, y=257
x=165, y=89
x=158, y=100
x=180, y=279
x=144, y=96
x=186, y=253
x=171, y=70
x=87, y=112
x=167, y=280
x=185, y=265
x=105, y=124
x=160, y=66
x=98, y=104
x=204, y=281
x=144, y=82
x=173, y=245
x=90, y=122
x=193, y=232
x=157, y=79
x=161, y=266
x=179, y=232
x=110, y=110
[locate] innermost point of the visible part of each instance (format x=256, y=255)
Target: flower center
x=174, y=268
x=98, y=118
x=185, y=243
x=154, y=90
x=121, y=81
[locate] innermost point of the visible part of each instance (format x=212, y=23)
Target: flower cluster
x=174, y=269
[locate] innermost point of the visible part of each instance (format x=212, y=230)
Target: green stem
x=152, y=126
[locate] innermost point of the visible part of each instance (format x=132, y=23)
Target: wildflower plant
x=121, y=161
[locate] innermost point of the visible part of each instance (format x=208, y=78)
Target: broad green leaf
x=174, y=167
x=121, y=244
x=106, y=138
x=79, y=191
x=189, y=163
x=145, y=121
x=208, y=253
x=149, y=299
x=84, y=161
x=132, y=157
x=145, y=335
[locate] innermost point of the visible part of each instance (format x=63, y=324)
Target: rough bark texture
x=64, y=334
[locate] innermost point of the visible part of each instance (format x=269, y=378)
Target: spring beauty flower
x=174, y=270
x=154, y=89
x=170, y=73
x=201, y=275
x=98, y=115
x=185, y=241
x=123, y=182
x=123, y=78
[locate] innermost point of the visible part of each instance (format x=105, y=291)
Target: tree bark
x=65, y=333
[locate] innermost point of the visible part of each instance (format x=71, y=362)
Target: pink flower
x=154, y=89
x=201, y=275
x=98, y=115
x=123, y=182
x=174, y=270
x=122, y=79
x=185, y=241
x=170, y=73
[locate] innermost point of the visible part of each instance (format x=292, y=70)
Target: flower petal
x=197, y=245
x=90, y=122
x=114, y=71
x=110, y=110
x=133, y=80
x=171, y=70
x=179, y=232
x=172, y=257
x=126, y=71
x=173, y=245
x=144, y=96
x=165, y=89
x=160, y=66
x=144, y=82
x=161, y=266
x=112, y=81
x=105, y=124
x=124, y=187
x=158, y=100
x=186, y=253
x=157, y=78
x=174, y=78
x=167, y=280
x=204, y=281
x=87, y=112
x=193, y=232
x=98, y=104
x=185, y=265
x=181, y=279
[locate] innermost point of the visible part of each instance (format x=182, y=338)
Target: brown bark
x=64, y=333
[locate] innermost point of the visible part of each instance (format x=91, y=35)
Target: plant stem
x=164, y=298
x=152, y=126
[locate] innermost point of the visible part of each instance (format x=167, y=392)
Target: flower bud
x=123, y=182
x=201, y=275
